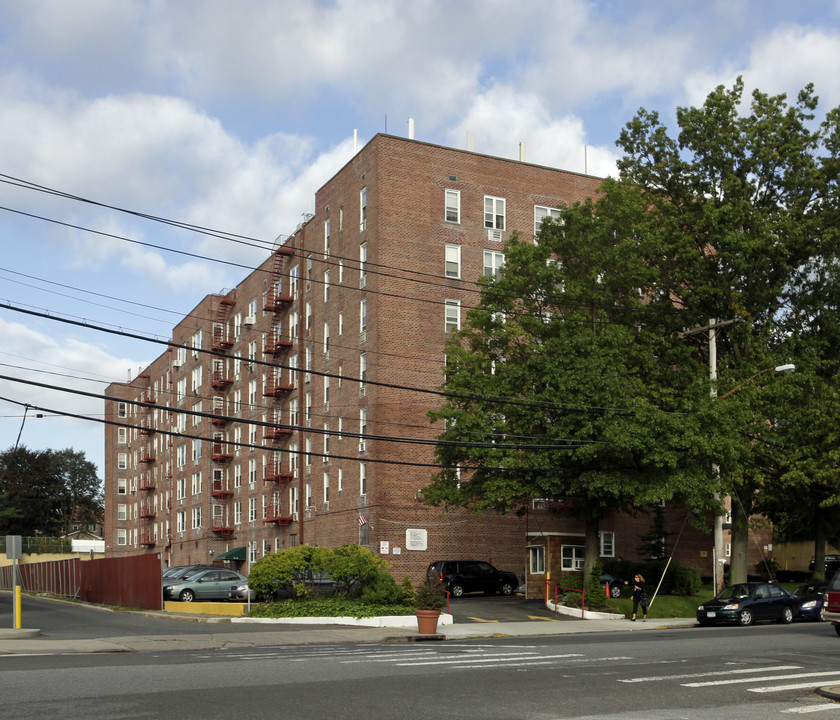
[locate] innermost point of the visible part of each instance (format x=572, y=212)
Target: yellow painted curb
x=206, y=608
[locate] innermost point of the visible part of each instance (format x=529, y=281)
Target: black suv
x=465, y=576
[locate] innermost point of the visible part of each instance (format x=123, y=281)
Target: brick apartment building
x=288, y=409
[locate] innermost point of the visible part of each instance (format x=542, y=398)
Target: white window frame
x=494, y=212
x=541, y=212
x=494, y=261
x=536, y=559
x=452, y=261
x=572, y=557
x=607, y=543
x=362, y=209
x=452, y=206
x=452, y=315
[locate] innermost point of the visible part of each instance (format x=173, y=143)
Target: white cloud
x=502, y=118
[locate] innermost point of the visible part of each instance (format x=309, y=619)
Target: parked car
x=831, y=602
x=242, y=592
x=744, y=603
x=811, y=600
x=832, y=564
x=213, y=584
x=466, y=576
x=176, y=573
x=618, y=585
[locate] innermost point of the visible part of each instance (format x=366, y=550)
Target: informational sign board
x=416, y=539
x=14, y=547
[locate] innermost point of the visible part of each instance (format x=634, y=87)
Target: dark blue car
x=811, y=600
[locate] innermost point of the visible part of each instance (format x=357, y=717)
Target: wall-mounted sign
x=416, y=539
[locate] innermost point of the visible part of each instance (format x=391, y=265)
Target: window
x=326, y=237
x=293, y=411
x=252, y=471
x=308, y=316
x=237, y=512
x=452, y=320
x=237, y=476
x=122, y=511
x=122, y=410
x=340, y=219
x=122, y=536
x=181, y=521
x=122, y=486
x=326, y=487
x=196, y=450
x=453, y=206
x=362, y=372
x=362, y=209
x=308, y=495
x=196, y=343
x=181, y=488
x=494, y=213
x=340, y=324
x=252, y=393
x=493, y=263
x=362, y=478
x=293, y=281
x=252, y=509
x=607, y=544
x=196, y=378
x=326, y=340
x=340, y=480
x=307, y=403
x=340, y=271
x=293, y=326
x=362, y=428
x=452, y=261
x=326, y=442
x=572, y=557
x=364, y=533
x=326, y=393
x=363, y=314
x=196, y=517
x=308, y=268
x=122, y=461
x=181, y=456
x=541, y=213
x=181, y=389
x=362, y=265
x=326, y=286
x=536, y=559
x=307, y=455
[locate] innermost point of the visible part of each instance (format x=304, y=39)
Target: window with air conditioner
x=494, y=216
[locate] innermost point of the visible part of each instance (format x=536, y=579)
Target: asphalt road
x=764, y=672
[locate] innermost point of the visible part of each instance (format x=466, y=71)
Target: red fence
x=126, y=582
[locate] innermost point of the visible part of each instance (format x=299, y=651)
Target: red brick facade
x=219, y=483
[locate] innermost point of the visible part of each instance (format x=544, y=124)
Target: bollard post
x=18, y=616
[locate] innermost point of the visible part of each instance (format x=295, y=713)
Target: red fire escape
x=221, y=304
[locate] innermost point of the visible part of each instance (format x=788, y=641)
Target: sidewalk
x=28, y=641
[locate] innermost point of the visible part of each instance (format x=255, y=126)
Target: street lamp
x=718, y=534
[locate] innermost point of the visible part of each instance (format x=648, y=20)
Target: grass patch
x=325, y=607
x=667, y=606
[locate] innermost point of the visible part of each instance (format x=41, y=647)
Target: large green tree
x=743, y=198
x=569, y=380
x=41, y=492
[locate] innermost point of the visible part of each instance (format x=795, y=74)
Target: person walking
x=639, y=597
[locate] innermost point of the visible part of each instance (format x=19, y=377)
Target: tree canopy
x=41, y=492
x=574, y=377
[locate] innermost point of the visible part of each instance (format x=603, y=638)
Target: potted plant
x=429, y=598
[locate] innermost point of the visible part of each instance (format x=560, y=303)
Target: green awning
x=235, y=554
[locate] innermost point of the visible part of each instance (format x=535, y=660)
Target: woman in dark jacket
x=639, y=597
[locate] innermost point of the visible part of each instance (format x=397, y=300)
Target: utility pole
x=719, y=556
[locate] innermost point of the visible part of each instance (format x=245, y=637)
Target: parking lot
x=497, y=608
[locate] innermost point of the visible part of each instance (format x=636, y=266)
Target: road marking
x=502, y=658
x=481, y=619
x=742, y=671
x=780, y=688
x=737, y=681
x=537, y=617
x=811, y=708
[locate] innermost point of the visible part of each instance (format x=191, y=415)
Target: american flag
x=362, y=520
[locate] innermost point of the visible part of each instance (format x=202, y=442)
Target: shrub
x=382, y=590
x=292, y=571
x=354, y=568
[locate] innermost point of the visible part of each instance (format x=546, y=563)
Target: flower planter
x=427, y=621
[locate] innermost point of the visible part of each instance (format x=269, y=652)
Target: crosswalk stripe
x=811, y=708
x=521, y=657
x=780, y=688
x=740, y=671
x=736, y=681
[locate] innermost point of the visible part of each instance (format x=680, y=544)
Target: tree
x=746, y=208
x=42, y=491
x=569, y=381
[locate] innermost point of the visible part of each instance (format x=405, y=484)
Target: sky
x=230, y=115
